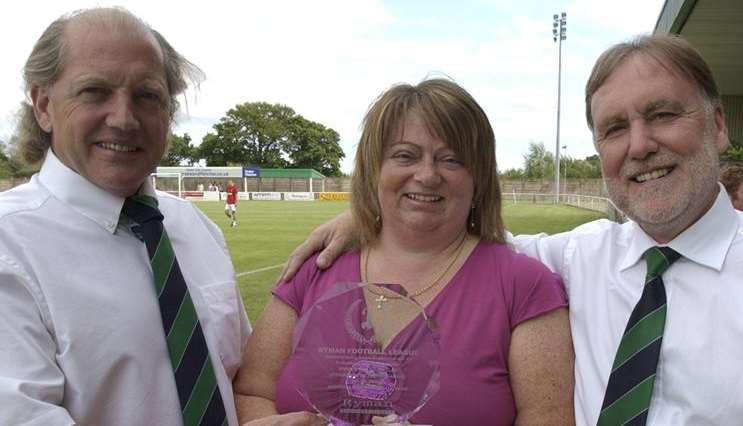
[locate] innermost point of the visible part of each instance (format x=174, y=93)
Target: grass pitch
x=268, y=231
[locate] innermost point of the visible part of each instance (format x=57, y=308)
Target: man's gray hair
x=46, y=60
x=671, y=51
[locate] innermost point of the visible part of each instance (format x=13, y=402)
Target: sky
x=329, y=59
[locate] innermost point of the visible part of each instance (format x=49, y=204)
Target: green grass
x=550, y=218
x=269, y=230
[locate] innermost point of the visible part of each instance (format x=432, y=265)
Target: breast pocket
x=223, y=322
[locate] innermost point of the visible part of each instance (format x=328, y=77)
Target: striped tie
x=632, y=376
x=201, y=402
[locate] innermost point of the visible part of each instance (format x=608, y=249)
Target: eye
x=150, y=96
x=451, y=160
x=663, y=115
x=403, y=156
x=613, y=130
x=93, y=91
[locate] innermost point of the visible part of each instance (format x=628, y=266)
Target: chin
x=122, y=186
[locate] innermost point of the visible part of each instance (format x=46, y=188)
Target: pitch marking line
x=255, y=271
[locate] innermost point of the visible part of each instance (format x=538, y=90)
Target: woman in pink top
x=427, y=202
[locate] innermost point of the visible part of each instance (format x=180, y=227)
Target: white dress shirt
x=698, y=378
x=81, y=339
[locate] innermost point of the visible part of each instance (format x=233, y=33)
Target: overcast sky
x=328, y=60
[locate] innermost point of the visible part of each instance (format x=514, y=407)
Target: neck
x=416, y=243
x=413, y=264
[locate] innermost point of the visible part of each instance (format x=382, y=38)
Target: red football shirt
x=231, y=194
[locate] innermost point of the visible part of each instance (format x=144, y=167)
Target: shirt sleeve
x=548, y=249
x=31, y=383
x=535, y=291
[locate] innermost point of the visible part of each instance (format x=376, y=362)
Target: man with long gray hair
x=119, y=303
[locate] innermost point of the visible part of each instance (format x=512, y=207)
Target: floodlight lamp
x=564, y=14
x=554, y=17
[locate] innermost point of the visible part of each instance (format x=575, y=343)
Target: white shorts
x=230, y=207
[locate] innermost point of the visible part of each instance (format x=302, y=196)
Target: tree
x=271, y=135
x=4, y=162
x=250, y=133
x=512, y=174
x=180, y=151
x=538, y=163
x=11, y=164
x=314, y=146
x=588, y=168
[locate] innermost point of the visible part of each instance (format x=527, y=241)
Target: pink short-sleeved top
x=495, y=290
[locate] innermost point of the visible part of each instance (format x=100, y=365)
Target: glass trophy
x=365, y=350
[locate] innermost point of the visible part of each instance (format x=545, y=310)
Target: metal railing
x=589, y=202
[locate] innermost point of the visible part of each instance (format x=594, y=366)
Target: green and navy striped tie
x=201, y=402
x=630, y=387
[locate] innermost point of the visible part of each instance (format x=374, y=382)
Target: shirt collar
x=83, y=196
x=705, y=242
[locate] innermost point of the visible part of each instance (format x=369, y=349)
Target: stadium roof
x=292, y=173
x=715, y=28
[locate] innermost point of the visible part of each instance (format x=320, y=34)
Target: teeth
x=655, y=174
x=116, y=147
x=425, y=198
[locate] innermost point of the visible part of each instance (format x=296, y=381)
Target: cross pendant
x=381, y=299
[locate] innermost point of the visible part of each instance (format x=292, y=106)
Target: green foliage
x=269, y=230
x=512, y=174
x=538, y=163
x=4, y=163
x=11, y=164
x=272, y=136
x=180, y=151
x=588, y=168
x=734, y=153
x=314, y=146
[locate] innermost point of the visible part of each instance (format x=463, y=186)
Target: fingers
x=333, y=236
x=335, y=248
x=388, y=420
x=338, y=239
x=302, y=418
x=295, y=260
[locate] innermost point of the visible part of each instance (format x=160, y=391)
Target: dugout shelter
x=715, y=28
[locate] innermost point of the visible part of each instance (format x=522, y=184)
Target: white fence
x=599, y=204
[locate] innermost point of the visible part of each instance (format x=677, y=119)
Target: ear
x=720, y=132
x=40, y=99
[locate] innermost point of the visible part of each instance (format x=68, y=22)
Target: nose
x=641, y=140
x=428, y=173
x=121, y=114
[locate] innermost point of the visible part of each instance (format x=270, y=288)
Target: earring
x=472, y=217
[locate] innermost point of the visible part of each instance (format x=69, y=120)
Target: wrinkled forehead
x=652, y=60
x=651, y=77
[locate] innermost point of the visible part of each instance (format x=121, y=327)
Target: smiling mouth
x=655, y=174
x=424, y=198
x=116, y=147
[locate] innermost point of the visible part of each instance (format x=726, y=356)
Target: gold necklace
x=381, y=298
